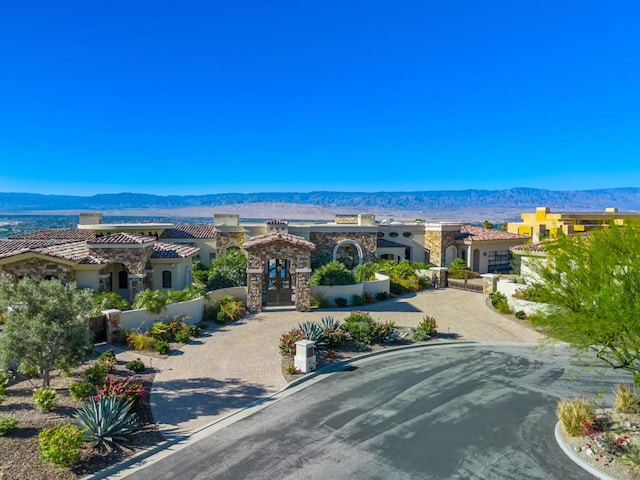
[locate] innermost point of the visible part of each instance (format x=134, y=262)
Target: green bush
x=365, y=272
x=4, y=381
x=136, y=365
x=341, y=302
x=357, y=300
x=162, y=347
x=380, y=331
x=321, y=302
x=229, y=270
x=311, y=331
x=45, y=399
x=194, y=330
x=182, y=335
x=153, y=301
x=141, y=341
x=60, y=445
x=81, y=391
x=520, y=314
x=7, y=424
x=108, y=360
x=288, y=342
x=160, y=331
x=107, y=301
x=320, y=259
x=359, y=326
x=229, y=309
x=106, y=421
x=332, y=273
x=499, y=302
x=95, y=374
x=426, y=329
x=381, y=296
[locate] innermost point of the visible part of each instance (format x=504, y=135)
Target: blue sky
x=253, y=96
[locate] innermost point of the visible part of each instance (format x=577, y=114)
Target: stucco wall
x=236, y=292
x=87, y=279
x=325, y=242
x=382, y=283
x=333, y=292
x=143, y=320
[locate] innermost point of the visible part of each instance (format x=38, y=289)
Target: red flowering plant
x=129, y=390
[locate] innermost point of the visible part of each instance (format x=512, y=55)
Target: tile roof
x=383, y=242
x=278, y=237
x=174, y=250
x=57, y=234
x=189, y=231
x=479, y=234
x=277, y=222
x=122, y=239
x=529, y=248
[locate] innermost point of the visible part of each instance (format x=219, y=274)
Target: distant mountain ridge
x=509, y=200
x=623, y=198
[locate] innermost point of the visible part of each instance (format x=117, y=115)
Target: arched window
x=51, y=277
x=166, y=279
x=123, y=279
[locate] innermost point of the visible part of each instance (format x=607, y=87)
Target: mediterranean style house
x=129, y=257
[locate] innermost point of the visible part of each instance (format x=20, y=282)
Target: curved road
x=444, y=412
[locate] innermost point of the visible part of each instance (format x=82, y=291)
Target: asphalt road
x=470, y=412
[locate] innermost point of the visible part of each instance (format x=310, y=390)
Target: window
x=123, y=279
x=499, y=261
x=393, y=234
x=166, y=279
x=406, y=234
x=51, y=277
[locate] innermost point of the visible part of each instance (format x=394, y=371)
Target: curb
x=182, y=441
x=577, y=459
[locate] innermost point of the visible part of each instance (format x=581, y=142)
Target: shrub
x=321, y=302
x=4, y=381
x=499, y=302
x=341, y=302
x=126, y=390
x=45, y=399
x=229, y=309
x=288, y=342
x=108, y=360
x=381, y=296
x=81, y=391
x=106, y=301
x=162, y=347
x=365, y=272
x=153, y=301
x=141, y=341
x=574, y=415
x=332, y=332
x=194, y=330
x=182, y=335
x=229, y=270
x=320, y=259
x=106, y=421
x=369, y=298
x=361, y=347
x=626, y=400
x=95, y=374
x=136, y=365
x=291, y=370
x=380, y=331
x=520, y=314
x=311, y=331
x=7, y=424
x=357, y=300
x=359, y=325
x=60, y=445
x=332, y=273
x=160, y=331
x=425, y=329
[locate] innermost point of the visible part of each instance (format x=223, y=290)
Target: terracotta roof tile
x=189, y=231
x=57, y=234
x=122, y=239
x=277, y=222
x=479, y=234
x=278, y=237
x=174, y=250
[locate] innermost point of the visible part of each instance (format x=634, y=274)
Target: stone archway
x=279, y=250
x=353, y=245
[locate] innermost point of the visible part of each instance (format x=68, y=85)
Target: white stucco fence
x=236, y=292
x=382, y=283
x=509, y=287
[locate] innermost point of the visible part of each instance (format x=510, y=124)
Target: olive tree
x=46, y=325
x=593, y=281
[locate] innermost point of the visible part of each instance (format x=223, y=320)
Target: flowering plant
x=128, y=390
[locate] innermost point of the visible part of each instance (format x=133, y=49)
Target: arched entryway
x=278, y=271
x=349, y=253
x=450, y=254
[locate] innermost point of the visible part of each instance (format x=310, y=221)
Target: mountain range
x=467, y=205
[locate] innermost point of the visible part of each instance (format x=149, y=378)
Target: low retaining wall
x=239, y=293
x=382, y=283
x=142, y=319
x=508, y=288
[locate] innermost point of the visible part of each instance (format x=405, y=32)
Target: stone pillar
x=113, y=324
x=148, y=279
x=305, y=359
x=489, y=283
x=104, y=282
x=440, y=276
x=254, y=289
x=303, y=289
x=136, y=284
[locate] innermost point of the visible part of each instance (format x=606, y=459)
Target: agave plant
x=106, y=421
x=329, y=324
x=311, y=331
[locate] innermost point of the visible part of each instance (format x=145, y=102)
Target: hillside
x=469, y=205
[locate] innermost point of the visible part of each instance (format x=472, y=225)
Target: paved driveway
x=235, y=364
x=471, y=411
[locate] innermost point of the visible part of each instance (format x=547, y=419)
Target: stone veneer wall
x=436, y=243
x=224, y=240
x=135, y=259
x=300, y=258
x=325, y=242
x=37, y=269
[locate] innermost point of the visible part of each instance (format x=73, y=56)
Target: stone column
x=136, y=284
x=489, y=283
x=440, y=276
x=254, y=289
x=113, y=324
x=303, y=289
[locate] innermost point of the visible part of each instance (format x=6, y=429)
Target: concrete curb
x=576, y=458
x=174, y=444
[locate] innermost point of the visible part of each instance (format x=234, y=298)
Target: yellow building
x=545, y=224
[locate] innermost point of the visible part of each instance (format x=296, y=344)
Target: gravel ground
x=19, y=449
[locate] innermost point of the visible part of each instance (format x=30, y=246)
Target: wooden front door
x=278, y=282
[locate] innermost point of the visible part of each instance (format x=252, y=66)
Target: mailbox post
x=305, y=359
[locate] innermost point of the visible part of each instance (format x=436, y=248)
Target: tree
x=594, y=284
x=46, y=326
x=230, y=270
x=487, y=224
